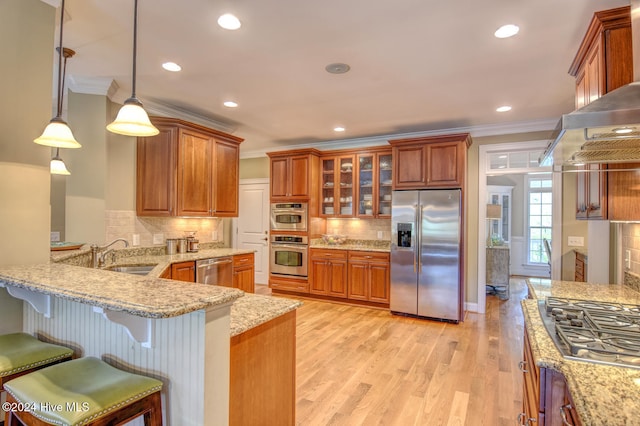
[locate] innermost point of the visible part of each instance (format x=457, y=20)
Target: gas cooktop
x=600, y=332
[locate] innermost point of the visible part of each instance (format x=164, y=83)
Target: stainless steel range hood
x=608, y=129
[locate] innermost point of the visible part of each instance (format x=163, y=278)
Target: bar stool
x=84, y=391
x=21, y=353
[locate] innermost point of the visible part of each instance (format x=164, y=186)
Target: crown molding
x=93, y=85
x=109, y=88
x=475, y=131
x=164, y=110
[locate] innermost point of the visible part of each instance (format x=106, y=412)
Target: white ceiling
x=416, y=65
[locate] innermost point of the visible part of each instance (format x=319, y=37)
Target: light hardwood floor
x=359, y=366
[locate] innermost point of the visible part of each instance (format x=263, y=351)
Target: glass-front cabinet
x=337, y=186
x=357, y=185
x=374, y=184
x=384, y=184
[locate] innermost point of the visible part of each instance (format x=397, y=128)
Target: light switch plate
x=135, y=240
x=380, y=235
x=575, y=242
x=158, y=238
x=55, y=236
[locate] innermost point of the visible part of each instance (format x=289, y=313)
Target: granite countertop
x=141, y=296
x=247, y=311
x=253, y=309
x=602, y=394
x=361, y=245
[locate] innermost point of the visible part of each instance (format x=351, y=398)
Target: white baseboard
x=471, y=307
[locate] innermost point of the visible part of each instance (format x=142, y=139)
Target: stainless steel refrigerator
x=426, y=254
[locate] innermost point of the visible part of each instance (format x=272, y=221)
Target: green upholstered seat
x=79, y=391
x=21, y=352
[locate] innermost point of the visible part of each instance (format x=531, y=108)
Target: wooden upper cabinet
x=430, y=162
x=156, y=174
x=294, y=174
x=194, y=175
x=187, y=170
x=624, y=190
x=226, y=178
x=604, y=60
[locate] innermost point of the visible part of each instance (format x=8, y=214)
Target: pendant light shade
x=57, y=166
x=132, y=119
x=57, y=133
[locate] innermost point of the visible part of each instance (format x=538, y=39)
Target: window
x=539, y=217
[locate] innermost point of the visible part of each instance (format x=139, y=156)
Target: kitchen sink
x=136, y=270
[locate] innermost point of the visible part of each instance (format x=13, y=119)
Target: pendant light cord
x=60, y=78
x=135, y=46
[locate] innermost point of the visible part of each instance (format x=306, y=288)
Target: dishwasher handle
x=214, y=261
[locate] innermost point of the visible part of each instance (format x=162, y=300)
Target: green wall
x=254, y=168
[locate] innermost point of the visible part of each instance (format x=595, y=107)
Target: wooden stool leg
x=153, y=417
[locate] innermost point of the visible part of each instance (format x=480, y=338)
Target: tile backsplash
x=125, y=223
x=630, y=233
x=360, y=229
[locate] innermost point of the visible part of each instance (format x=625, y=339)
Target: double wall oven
x=289, y=217
x=289, y=240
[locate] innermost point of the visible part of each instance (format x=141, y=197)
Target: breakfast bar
x=173, y=331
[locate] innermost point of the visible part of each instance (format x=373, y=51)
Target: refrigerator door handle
x=416, y=243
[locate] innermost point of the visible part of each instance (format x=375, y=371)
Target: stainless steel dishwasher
x=216, y=271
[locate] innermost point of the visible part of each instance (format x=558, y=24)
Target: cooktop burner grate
x=600, y=332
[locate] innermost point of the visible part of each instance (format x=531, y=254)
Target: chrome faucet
x=98, y=253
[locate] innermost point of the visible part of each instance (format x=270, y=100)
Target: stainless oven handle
x=290, y=246
x=289, y=211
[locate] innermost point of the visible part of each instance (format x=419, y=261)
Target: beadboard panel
x=177, y=358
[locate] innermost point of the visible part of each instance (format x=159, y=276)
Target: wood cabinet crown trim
x=182, y=124
x=602, y=21
x=294, y=152
x=455, y=137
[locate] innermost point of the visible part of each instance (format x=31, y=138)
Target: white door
x=252, y=231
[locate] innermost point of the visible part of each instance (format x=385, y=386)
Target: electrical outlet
x=135, y=240
x=158, y=238
x=380, y=235
x=575, y=242
x=55, y=236
x=214, y=235
x=627, y=259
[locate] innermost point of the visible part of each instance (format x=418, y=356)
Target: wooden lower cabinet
x=328, y=272
x=184, y=271
x=244, y=272
x=369, y=276
x=546, y=397
x=263, y=374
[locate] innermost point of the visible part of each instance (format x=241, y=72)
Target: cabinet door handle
x=563, y=414
x=521, y=366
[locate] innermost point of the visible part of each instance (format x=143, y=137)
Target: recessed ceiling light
x=506, y=31
x=229, y=22
x=503, y=108
x=230, y=104
x=171, y=66
x=339, y=129
x=337, y=68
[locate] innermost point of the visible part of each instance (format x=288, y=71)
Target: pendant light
x=132, y=119
x=57, y=166
x=57, y=133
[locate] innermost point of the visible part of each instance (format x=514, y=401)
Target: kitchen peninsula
x=178, y=332
x=599, y=394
